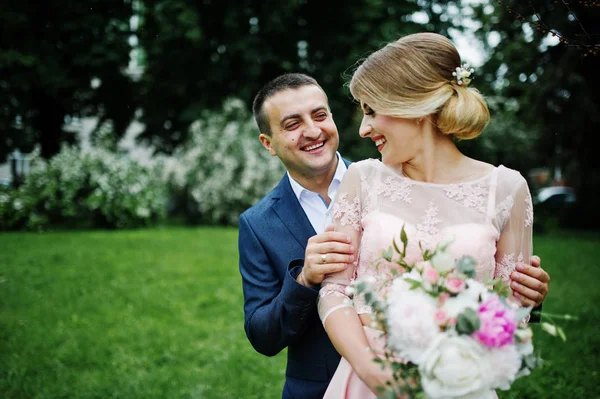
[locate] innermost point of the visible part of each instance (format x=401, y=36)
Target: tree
x=551, y=83
x=199, y=53
x=51, y=54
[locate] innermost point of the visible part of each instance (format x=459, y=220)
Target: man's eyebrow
x=285, y=118
x=294, y=116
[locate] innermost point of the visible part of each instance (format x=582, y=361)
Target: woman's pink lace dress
x=490, y=218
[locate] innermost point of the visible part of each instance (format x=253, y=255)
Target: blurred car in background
x=555, y=197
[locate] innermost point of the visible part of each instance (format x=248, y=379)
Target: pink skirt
x=345, y=383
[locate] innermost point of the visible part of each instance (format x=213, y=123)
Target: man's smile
x=313, y=146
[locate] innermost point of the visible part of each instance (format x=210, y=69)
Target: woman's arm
x=516, y=239
x=339, y=318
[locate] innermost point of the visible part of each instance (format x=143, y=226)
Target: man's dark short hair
x=280, y=83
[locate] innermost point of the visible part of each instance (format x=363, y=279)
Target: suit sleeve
x=275, y=311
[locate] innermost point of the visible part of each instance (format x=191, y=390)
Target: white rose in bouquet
x=458, y=304
x=505, y=362
x=455, y=366
x=443, y=262
x=411, y=320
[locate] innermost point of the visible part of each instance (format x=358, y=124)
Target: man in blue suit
x=285, y=248
x=281, y=272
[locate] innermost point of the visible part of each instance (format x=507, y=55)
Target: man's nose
x=365, y=128
x=312, y=131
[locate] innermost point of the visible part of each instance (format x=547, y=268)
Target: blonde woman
x=416, y=97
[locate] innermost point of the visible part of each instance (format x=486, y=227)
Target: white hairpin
x=463, y=74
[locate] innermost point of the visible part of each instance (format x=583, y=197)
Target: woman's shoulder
x=510, y=176
x=364, y=167
x=366, y=163
x=511, y=182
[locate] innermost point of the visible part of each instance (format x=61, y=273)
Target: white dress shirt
x=313, y=204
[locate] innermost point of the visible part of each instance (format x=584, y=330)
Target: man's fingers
x=526, y=292
x=332, y=247
x=327, y=236
x=332, y=268
x=536, y=261
x=329, y=228
x=536, y=272
x=334, y=258
x=528, y=281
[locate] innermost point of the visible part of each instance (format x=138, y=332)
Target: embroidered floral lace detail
x=470, y=195
x=348, y=213
x=528, y=210
x=395, y=189
x=427, y=230
x=507, y=266
x=503, y=210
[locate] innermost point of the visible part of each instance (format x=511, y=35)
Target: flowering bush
x=448, y=335
x=91, y=188
x=223, y=169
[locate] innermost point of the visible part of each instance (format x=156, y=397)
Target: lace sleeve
x=516, y=239
x=346, y=214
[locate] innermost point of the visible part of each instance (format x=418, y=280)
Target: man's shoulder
x=264, y=205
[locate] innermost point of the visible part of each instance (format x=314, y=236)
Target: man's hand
x=328, y=252
x=530, y=283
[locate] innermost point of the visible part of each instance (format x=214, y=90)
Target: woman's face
x=397, y=139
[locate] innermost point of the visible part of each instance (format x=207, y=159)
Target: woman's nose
x=365, y=128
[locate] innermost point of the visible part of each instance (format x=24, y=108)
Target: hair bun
x=464, y=115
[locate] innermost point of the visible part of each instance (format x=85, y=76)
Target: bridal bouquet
x=448, y=336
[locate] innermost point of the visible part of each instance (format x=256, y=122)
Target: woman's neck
x=439, y=161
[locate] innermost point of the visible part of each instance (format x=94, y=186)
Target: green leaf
x=396, y=247
x=387, y=254
x=466, y=265
x=561, y=334
x=531, y=361
x=427, y=254
x=404, y=240
x=467, y=322
x=413, y=283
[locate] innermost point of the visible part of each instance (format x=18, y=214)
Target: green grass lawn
x=158, y=314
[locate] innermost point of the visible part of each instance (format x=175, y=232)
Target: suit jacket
x=278, y=311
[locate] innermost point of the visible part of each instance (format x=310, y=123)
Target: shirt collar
x=337, y=177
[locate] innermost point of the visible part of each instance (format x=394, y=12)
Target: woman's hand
x=374, y=376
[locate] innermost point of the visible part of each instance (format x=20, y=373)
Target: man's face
x=304, y=135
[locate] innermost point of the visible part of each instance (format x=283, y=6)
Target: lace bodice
x=490, y=219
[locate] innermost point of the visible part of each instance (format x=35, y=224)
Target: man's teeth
x=380, y=141
x=312, y=147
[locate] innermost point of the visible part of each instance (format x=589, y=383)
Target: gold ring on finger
x=324, y=258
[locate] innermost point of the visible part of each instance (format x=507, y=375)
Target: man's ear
x=265, y=140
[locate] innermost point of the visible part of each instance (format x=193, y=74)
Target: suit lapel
x=288, y=209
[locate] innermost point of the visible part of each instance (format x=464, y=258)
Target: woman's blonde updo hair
x=412, y=78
